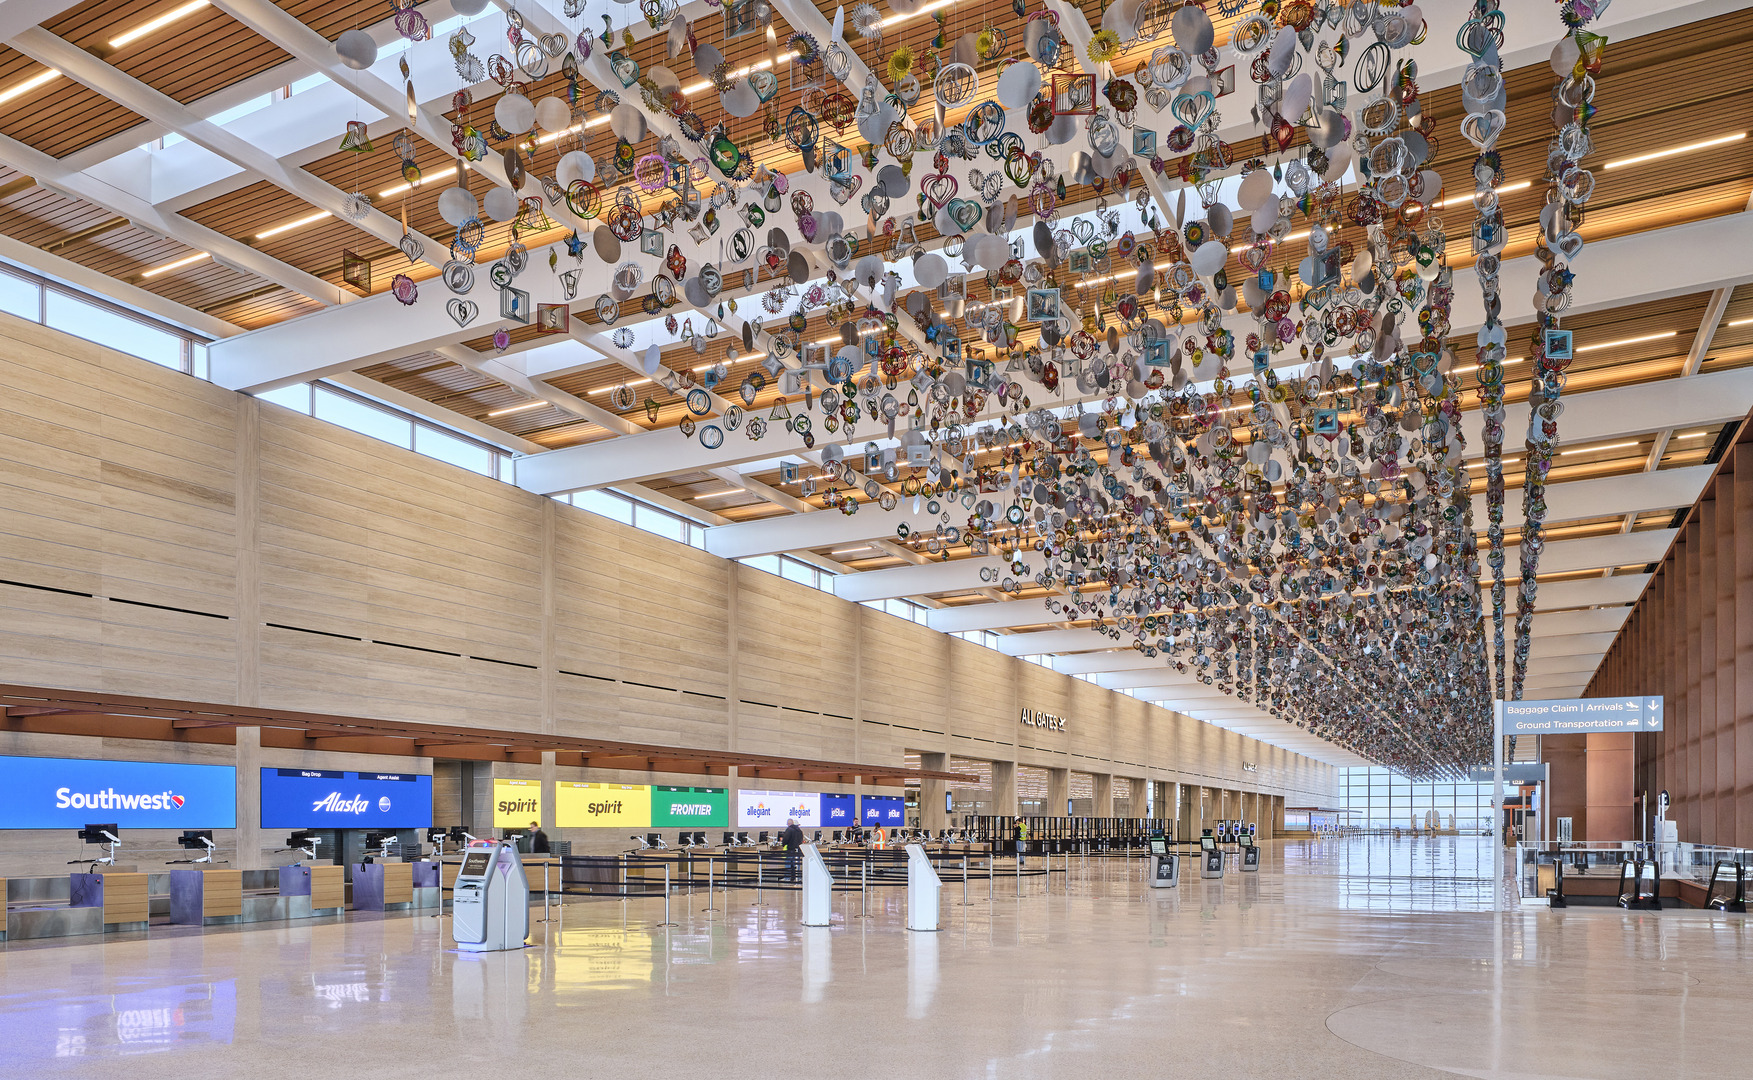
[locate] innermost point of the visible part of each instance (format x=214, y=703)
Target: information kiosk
x=490, y=906
x=1250, y=853
x=818, y=887
x=1165, y=865
x=1210, y=857
x=923, y=889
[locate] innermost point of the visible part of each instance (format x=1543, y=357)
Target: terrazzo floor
x=1354, y=958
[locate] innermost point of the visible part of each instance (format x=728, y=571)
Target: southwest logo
x=107, y=799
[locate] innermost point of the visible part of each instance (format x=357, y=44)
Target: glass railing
x=1711, y=867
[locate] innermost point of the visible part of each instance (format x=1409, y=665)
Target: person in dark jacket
x=538, y=839
x=792, y=841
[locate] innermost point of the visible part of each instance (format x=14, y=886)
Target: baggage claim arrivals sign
x=1578, y=716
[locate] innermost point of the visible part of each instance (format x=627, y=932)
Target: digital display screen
x=71, y=793
x=1207, y=843
x=329, y=799
x=474, y=864
x=1159, y=846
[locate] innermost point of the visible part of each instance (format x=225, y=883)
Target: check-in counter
x=206, y=897
x=326, y=886
x=382, y=886
x=121, y=897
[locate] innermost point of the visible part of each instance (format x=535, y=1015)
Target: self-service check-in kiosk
x=1210, y=857
x=490, y=905
x=1250, y=853
x=1165, y=865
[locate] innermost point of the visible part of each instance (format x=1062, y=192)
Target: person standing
x=538, y=839
x=1022, y=838
x=792, y=841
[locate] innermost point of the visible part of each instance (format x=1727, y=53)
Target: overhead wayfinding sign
x=1582, y=716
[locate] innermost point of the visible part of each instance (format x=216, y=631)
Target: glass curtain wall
x=1378, y=799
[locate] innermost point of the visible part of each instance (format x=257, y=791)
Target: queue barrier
x=1735, y=901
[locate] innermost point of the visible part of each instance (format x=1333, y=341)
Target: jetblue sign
x=883, y=810
x=66, y=793
x=330, y=799
x=1579, y=716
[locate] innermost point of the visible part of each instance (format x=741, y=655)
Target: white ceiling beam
x=1571, y=645
x=1590, y=621
x=1601, y=552
x=419, y=406
x=118, y=85
x=998, y=616
x=1608, y=496
x=17, y=16
x=1056, y=641
x=1625, y=411
x=1591, y=592
x=899, y=581
x=1096, y=663
x=1547, y=693
x=68, y=272
x=1578, y=664
x=813, y=529
x=1186, y=685
x=143, y=215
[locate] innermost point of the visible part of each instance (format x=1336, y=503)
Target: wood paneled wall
x=1690, y=639
x=163, y=536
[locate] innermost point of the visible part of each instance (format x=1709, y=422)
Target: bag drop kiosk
x=1165, y=866
x=1250, y=853
x=490, y=901
x=1210, y=857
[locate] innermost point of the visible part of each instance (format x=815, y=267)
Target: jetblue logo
x=107, y=799
x=837, y=812
x=333, y=803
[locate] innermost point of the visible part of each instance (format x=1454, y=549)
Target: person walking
x=1022, y=838
x=792, y=841
x=538, y=839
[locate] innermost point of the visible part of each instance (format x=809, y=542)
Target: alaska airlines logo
x=1036, y=718
x=334, y=803
x=108, y=799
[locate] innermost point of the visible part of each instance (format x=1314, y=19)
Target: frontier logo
x=691, y=809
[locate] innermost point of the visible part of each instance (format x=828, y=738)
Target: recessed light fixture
x=525, y=407
x=1741, y=322
x=169, y=266
x=175, y=14
x=25, y=87
x=1507, y=189
x=629, y=382
x=290, y=225
x=1671, y=151
x=425, y=178
x=1597, y=449
x=720, y=494
x=1693, y=435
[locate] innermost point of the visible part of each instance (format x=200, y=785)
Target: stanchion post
x=709, y=906
x=1019, y=871
x=863, y=880
x=760, y=888
x=545, y=865
x=964, y=878
x=666, y=895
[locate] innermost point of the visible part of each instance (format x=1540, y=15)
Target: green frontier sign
x=685, y=807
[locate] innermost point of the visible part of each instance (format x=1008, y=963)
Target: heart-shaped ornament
x=1193, y=109
x=765, y=84
x=965, y=212
x=938, y=189
x=1570, y=245
x=553, y=44
x=1482, y=128
x=462, y=311
x=843, y=190
x=624, y=67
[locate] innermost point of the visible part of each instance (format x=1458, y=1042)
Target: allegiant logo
x=107, y=799
x=760, y=810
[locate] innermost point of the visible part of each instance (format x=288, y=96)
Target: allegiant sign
x=69, y=793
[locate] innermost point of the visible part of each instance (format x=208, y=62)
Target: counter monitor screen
x=1159, y=845
x=475, y=864
x=1206, y=843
